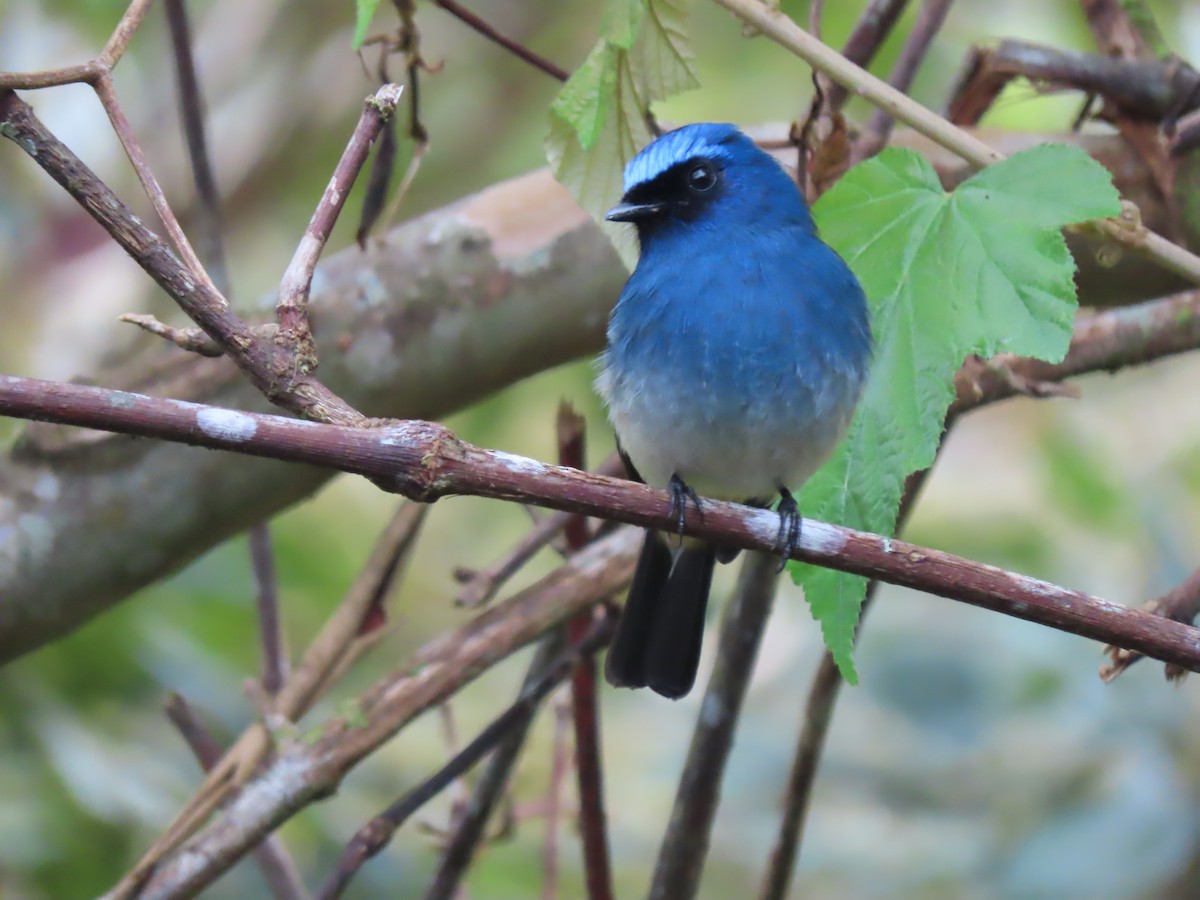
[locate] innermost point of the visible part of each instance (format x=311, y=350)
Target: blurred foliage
x=980, y=756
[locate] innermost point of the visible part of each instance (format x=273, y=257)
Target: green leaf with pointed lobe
x=981, y=270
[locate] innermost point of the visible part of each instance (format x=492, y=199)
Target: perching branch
x=425, y=461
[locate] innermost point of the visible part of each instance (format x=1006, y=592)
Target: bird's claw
x=681, y=495
x=788, y=539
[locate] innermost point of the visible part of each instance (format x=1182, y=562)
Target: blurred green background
x=981, y=757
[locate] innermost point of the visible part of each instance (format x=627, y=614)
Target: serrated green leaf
x=621, y=21
x=364, y=12
x=982, y=270
x=661, y=61
x=598, y=121
x=584, y=101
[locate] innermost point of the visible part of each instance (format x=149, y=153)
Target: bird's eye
x=701, y=178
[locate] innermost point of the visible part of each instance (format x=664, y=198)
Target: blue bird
x=736, y=354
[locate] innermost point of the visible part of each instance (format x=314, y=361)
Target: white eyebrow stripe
x=670, y=150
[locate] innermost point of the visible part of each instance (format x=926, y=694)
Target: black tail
x=657, y=644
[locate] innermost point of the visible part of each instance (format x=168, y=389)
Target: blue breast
x=773, y=326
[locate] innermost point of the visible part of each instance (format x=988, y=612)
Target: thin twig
x=480, y=586
x=685, y=845
x=818, y=713
x=585, y=706
x=469, y=830
x=872, y=29
x=291, y=311
x=193, y=340
x=106, y=92
x=514, y=47
x=559, y=764
x=113, y=50
x=97, y=73
x=334, y=644
x=377, y=833
x=273, y=372
x=1126, y=229
x=191, y=109
x=270, y=624
x=278, y=867
x=1180, y=604
x=929, y=22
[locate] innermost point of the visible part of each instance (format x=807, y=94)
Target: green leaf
x=598, y=120
x=982, y=270
x=585, y=99
x=621, y=21
x=364, y=12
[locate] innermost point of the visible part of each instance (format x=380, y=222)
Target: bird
x=736, y=355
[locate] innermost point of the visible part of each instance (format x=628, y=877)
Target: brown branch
x=685, y=845
x=291, y=310
x=468, y=830
x=585, y=706
x=514, y=47
x=929, y=22
x=191, y=110
x=1180, y=604
x=480, y=586
x=378, y=833
x=872, y=29
x=818, y=713
x=272, y=372
x=1146, y=89
x=303, y=772
x=97, y=74
x=1101, y=342
x=424, y=461
x=193, y=340
x=1126, y=229
x=270, y=625
x=559, y=764
x=278, y=867
x=113, y=50
x=334, y=646
x=1116, y=32
x=1118, y=36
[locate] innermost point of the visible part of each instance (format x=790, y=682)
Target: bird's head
x=707, y=177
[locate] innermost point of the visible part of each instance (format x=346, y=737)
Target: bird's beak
x=633, y=212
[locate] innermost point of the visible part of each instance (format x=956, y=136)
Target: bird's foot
x=788, y=539
x=681, y=495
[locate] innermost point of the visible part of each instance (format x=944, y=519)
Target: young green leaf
x=981, y=270
x=584, y=101
x=598, y=120
x=364, y=12
x=621, y=21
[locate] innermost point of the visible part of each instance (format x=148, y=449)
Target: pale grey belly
x=748, y=452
